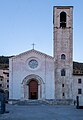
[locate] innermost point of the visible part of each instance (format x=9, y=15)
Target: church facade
x=36, y=75
x=32, y=75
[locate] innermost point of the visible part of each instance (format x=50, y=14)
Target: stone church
x=36, y=75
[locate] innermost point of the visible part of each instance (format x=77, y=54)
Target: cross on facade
x=33, y=45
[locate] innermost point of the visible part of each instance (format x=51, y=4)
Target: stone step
x=60, y=101
x=31, y=102
x=44, y=102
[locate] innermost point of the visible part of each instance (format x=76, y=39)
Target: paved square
x=42, y=112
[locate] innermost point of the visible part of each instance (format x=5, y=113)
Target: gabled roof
x=33, y=51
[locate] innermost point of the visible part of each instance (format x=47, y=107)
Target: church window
x=63, y=72
x=8, y=75
x=79, y=80
x=1, y=79
x=7, y=86
x=79, y=91
x=7, y=80
x=33, y=63
x=62, y=85
x=63, y=94
x=63, y=56
x=62, y=19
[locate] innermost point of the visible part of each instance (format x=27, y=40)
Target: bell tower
x=63, y=50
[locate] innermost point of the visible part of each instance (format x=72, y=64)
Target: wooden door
x=33, y=89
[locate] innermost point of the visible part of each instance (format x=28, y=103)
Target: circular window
x=33, y=63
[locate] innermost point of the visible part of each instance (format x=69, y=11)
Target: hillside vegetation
x=4, y=62
x=77, y=68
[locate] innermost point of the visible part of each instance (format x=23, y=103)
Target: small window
x=62, y=19
x=1, y=79
x=7, y=75
x=7, y=80
x=62, y=85
x=79, y=81
x=79, y=91
x=63, y=94
x=63, y=56
x=63, y=72
x=7, y=86
x=0, y=85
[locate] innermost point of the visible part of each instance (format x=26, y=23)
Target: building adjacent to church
x=36, y=75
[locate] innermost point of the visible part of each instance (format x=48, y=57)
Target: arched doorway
x=36, y=82
x=33, y=89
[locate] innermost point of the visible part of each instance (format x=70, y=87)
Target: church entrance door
x=33, y=89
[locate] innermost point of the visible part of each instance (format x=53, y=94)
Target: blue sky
x=23, y=22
